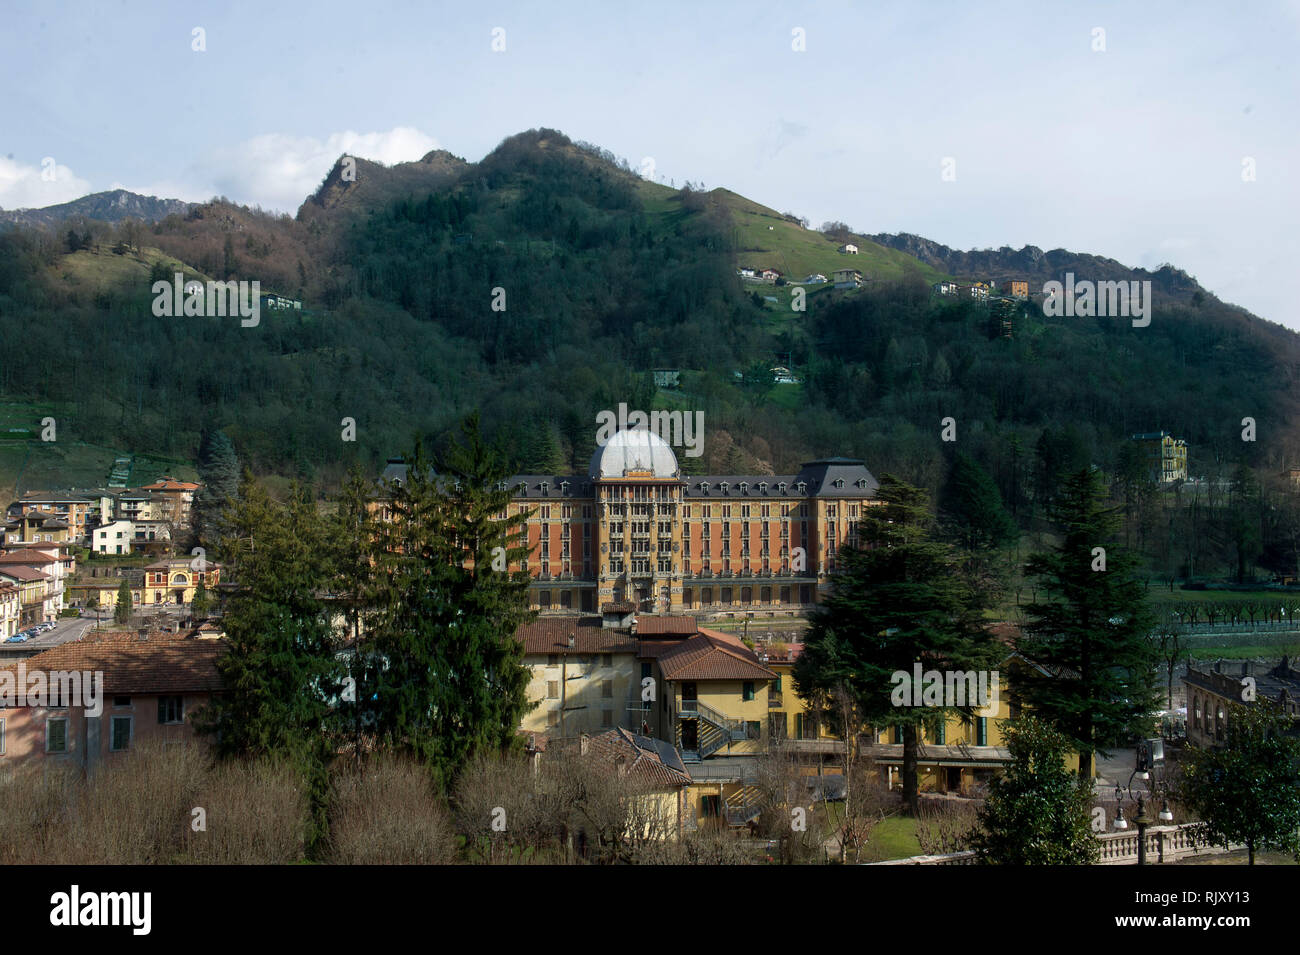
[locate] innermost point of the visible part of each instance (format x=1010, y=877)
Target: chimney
x=143, y=634
x=582, y=744
x=571, y=641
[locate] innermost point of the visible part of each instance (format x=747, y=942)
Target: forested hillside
x=597, y=278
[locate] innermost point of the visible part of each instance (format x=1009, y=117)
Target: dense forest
x=546, y=282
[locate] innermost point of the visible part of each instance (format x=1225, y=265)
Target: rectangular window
x=747, y=693
x=121, y=738
x=553, y=718
x=982, y=731
x=2, y=737
x=753, y=729
x=646, y=667
x=552, y=689
x=56, y=735
x=940, y=731
x=171, y=709
x=552, y=659
x=606, y=718
x=607, y=689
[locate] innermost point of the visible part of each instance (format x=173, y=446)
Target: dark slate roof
x=557, y=486
x=818, y=478
x=395, y=473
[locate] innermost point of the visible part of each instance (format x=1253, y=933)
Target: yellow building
x=174, y=581
x=583, y=677
x=1166, y=456
x=36, y=527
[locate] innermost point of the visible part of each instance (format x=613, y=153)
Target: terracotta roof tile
x=551, y=635
x=651, y=761
x=667, y=624
x=711, y=655
x=162, y=664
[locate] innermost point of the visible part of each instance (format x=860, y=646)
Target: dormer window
x=839, y=482
x=522, y=489
x=762, y=487
x=546, y=487
x=722, y=486
x=704, y=486
x=802, y=487
x=862, y=483
x=502, y=486
x=564, y=487
x=744, y=487
x=780, y=487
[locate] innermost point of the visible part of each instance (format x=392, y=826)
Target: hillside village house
x=33, y=593
x=152, y=685
x=769, y=275
x=945, y=288
x=977, y=290
x=56, y=568
x=10, y=609
x=847, y=278
x=36, y=527
x=1166, y=456
x=77, y=511
x=848, y=249
x=172, y=499
x=129, y=537
x=1015, y=288
x=815, y=279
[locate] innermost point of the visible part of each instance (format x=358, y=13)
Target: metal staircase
x=713, y=731
x=742, y=806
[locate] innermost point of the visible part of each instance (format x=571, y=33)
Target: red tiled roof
x=667, y=624
x=551, y=635
x=710, y=655
x=643, y=761
x=620, y=606
x=169, y=484
x=162, y=664
x=27, y=555
x=20, y=572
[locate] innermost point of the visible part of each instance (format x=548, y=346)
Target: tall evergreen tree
x=443, y=669
x=122, y=612
x=282, y=674
x=219, y=475
x=1091, y=631
x=899, y=599
x=972, y=503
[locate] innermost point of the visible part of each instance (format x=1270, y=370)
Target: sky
x=1151, y=133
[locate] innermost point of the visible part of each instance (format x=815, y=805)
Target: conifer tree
x=1091, y=631
x=898, y=599
x=281, y=674
x=443, y=670
x=122, y=612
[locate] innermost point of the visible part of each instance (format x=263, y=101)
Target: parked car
x=17, y=638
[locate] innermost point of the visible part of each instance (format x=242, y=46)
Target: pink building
x=151, y=686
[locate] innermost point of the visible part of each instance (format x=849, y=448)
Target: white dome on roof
x=639, y=450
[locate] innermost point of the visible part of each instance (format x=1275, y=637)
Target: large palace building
x=636, y=532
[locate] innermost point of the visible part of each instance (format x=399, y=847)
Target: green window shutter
x=982, y=731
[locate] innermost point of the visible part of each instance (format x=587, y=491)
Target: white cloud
x=277, y=171
x=22, y=185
